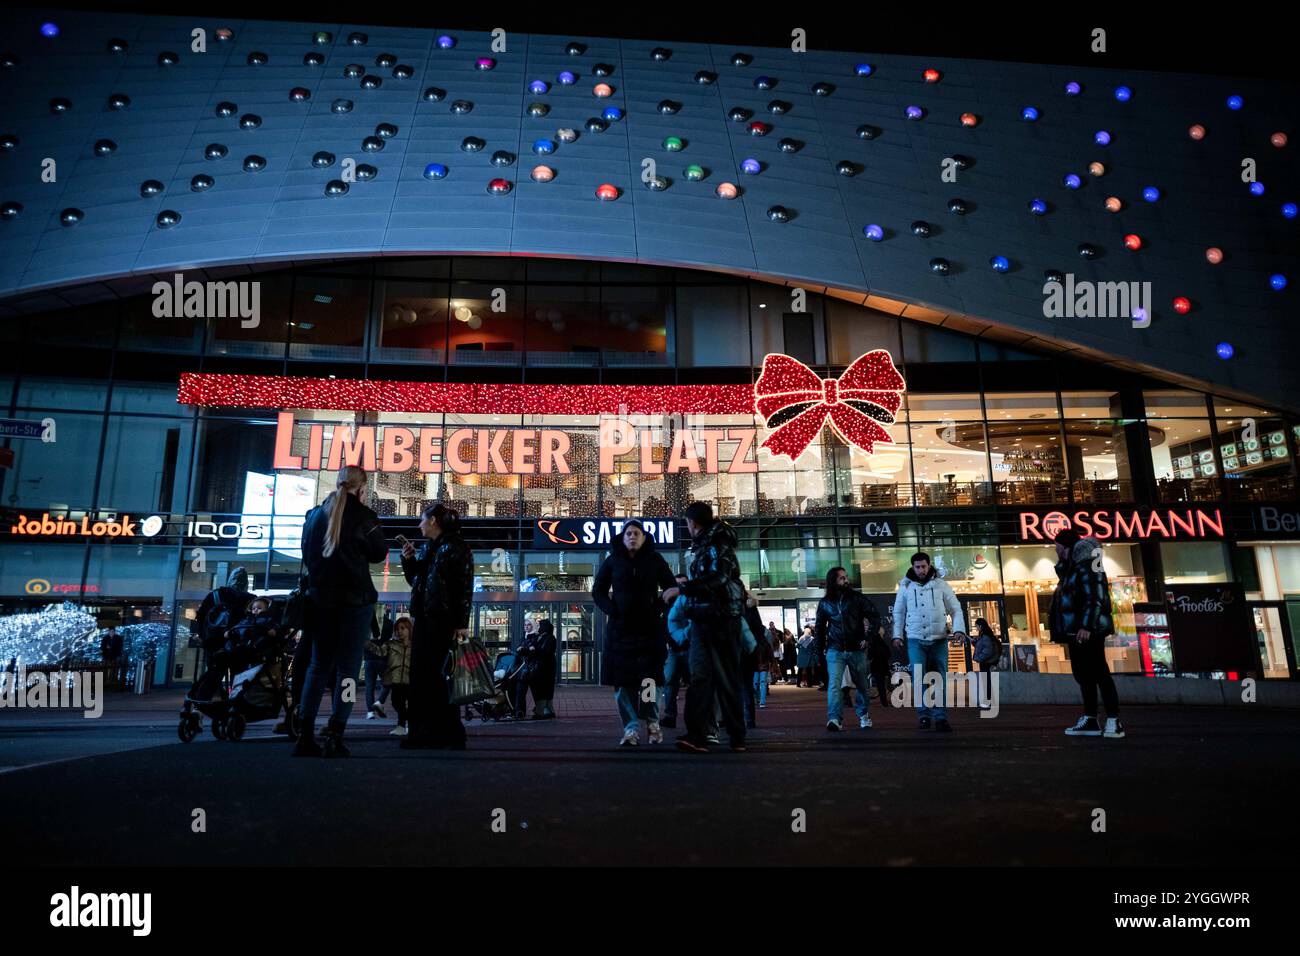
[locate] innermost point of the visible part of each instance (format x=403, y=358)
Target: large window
x=1182, y=446
x=1096, y=447
x=1252, y=442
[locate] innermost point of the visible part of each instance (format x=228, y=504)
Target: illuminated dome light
x=1278, y=139
x=353, y=70
x=1087, y=251
x=674, y=144
x=299, y=94
x=167, y=218
x=71, y=216
x=1235, y=102
x=358, y=39
x=661, y=53
x=386, y=61
x=201, y=182
x=462, y=314
x=254, y=163
x=764, y=82
x=1288, y=210
x=60, y=104
x=49, y=30
x=322, y=38
x=874, y=232
x=1123, y=94
x=574, y=48
x=595, y=125
x=499, y=187
x=657, y=183
x=602, y=69
x=225, y=109
x=256, y=58
x=1151, y=194
x=1029, y=114
x=758, y=128
x=779, y=107
x=542, y=174
x=606, y=192
x=1133, y=241
x=751, y=167
x=864, y=69
x=1096, y=169
x=403, y=71
x=788, y=145
x=1224, y=350
x=741, y=59
x=1214, y=255
x=1139, y=315
x=602, y=90
x=446, y=42
x=999, y=264
x=1257, y=189
x=1073, y=181
x=846, y=167
x=566, y=78
x=940, y=267
x=369, y=82
x=538, y=87
x=1101, y=138
x=1073, y=88
x=969, y=120
x=168, y=58
x=566, y=134
x=250, y=121
x=962, y=162
x=921, y=229
x=366, y=171
x=915, y=112
x=694, y=173
x=778, y=214
x=932, y=76
x=1182, y=305
x=312, y=58
x=115, y=45
x=1038, y=207
x=435, y=94
x=1277, y=282
x=1196, y=131
x=341, y=106
x=10, y=210
x=537, y=110
x=8, y=142
x=543, y=147
x=1114, y=204
x=435, y=171
x=612, y=114
x=104, y=147
x=485, y=63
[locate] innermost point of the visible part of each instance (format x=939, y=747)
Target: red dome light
x=1196, y=131
x=932, y=76
x=606, y=192
x=1133, y=241
x=1214, y=255
x=1182, y=305
x=969, y=119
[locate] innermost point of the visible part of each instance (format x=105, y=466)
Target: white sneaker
x=397, y=732
x=712, y=739
x=1084, y=727
x=864, y=723
x=371, y=715
x=834, y=725
x=630, y=739
x=654, y=733
x=1114, y=729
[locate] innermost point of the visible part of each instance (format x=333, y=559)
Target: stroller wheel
x=219, y=727
x=186, y=730
x=235, y=729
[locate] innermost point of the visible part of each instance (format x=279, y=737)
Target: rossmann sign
x=1123, y=524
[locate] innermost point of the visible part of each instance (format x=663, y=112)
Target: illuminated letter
x=616, y=438
x=1131, y=528
x=489, y=451
x=1177, y=521
x=397, y=449
x=711, y=437
x=1202, y=519
x=352, y=446
x=684, y=455
x=315, y=439
x=430, y=450
x=648, y=465
x=555, y=452
x=457, y=438
x=745, y=437
x=284, y=457
x=1029, y=526
x=521, y=453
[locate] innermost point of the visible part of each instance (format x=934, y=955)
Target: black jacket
x=441, y=576
x=343, y=579
x=713, y=588
x=1082, y=598
x=538, y=649
x=627, y=589
x=839, y=621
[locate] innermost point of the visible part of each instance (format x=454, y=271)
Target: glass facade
x=985, y=433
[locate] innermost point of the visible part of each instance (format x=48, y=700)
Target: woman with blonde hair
x=341, y=538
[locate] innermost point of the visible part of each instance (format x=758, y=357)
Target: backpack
x=997, y=650
x=220, y=618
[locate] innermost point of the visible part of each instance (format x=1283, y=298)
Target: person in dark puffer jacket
x=1080, y=617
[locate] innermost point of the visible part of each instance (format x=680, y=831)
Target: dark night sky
x=1252, y=45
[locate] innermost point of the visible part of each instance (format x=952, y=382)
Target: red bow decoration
x=795, y=402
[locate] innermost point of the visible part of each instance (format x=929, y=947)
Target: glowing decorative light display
x=1133, y=241
x=1114, y=204
x=602, y=90
x=1151, y=194
x=1196, y=131
x=1235, y=102
x=1139, y=315
x=1072, y=181
x=864, y=69
x=999, y=263
x=567, y=78
x=435, y=171
x=969, y=120
x=1029, y=114
x=446, y=42
x=542, y=174
x=1182, y=304
x=1073, y=89
x=566, y=134
x=1038, y=207
x=611, y=114
x=874, y=232
x=606, y=192
x=915, y=112
x=674, y=144
x=1123, y=94
x=1278, y=139
x=726, y=191
x=693, y=173
x=485, y=63
x=538, y=87
x=499, y=187
x=1224, y=350
x=1257, y=189
x=543, y=147
x=932, y=76
x=1214, y=255
x=49, y=30
x=796, y=402
x=1277, y=281
x=1288, y=210
x=1101, y=138
x=751, y=167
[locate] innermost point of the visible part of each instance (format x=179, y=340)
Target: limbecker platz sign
x=1123, y=524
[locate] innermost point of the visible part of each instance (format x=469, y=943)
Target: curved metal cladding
x=837, y=152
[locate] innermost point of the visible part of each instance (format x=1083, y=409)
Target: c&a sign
x=1121, y=524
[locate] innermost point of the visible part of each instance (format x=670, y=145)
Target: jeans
x=677, y=671
x=747, y=708
x=1088, y=664
x=340, y=633
x=375, y=679
x=715, y=673
x=933, y=658
x=760, y=687
x=399, y=701
x=631, y=708
x=856, y=664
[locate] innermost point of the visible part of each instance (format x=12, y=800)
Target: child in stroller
x=245, y=680
x=508, y=675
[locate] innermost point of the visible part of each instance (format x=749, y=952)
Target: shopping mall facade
x=554, y=363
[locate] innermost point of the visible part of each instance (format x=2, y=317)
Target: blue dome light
x=1257, y=189
x=538, y=87
x=612, y=113
x=1123, y=94
x=446, y=42
x=1277, y=281
x=751, y=166
x=1224, y=350
x=1073, y=89
x=1038, y=207
x=435, y=171
x=873, y=232
x=1235, y=102
x=1072, y=181
x=567, y=78
x=1000, y=263
x=1151, y=194
x=1139, y=314
x=864, y=69
x=1101, y=138
x=1029, y=113
x=1288, y=210
x=543, y=147
x=49, y=29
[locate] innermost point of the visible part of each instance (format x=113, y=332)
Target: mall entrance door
x=1276, y=640
x=973, y=607
x=575, y=632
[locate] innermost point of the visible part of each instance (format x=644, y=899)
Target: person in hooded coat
x=627, y=589
x=538, y=676
x=924, y=604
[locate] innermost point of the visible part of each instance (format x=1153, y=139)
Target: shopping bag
x=471, y=674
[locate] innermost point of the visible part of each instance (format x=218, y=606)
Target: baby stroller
x=500, y=706
x=243, y=684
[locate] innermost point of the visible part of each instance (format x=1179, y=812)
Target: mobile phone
x=401, y=539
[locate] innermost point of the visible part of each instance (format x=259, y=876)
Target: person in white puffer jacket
x=925, y=602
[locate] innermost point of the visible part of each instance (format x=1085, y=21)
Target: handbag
x=471, y=674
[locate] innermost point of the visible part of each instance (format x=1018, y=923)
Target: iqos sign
x=225, y=530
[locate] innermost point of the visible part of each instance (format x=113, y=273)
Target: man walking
x=845, y=619
x=716, y=605
x=924, y=602
x=1080, y=617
